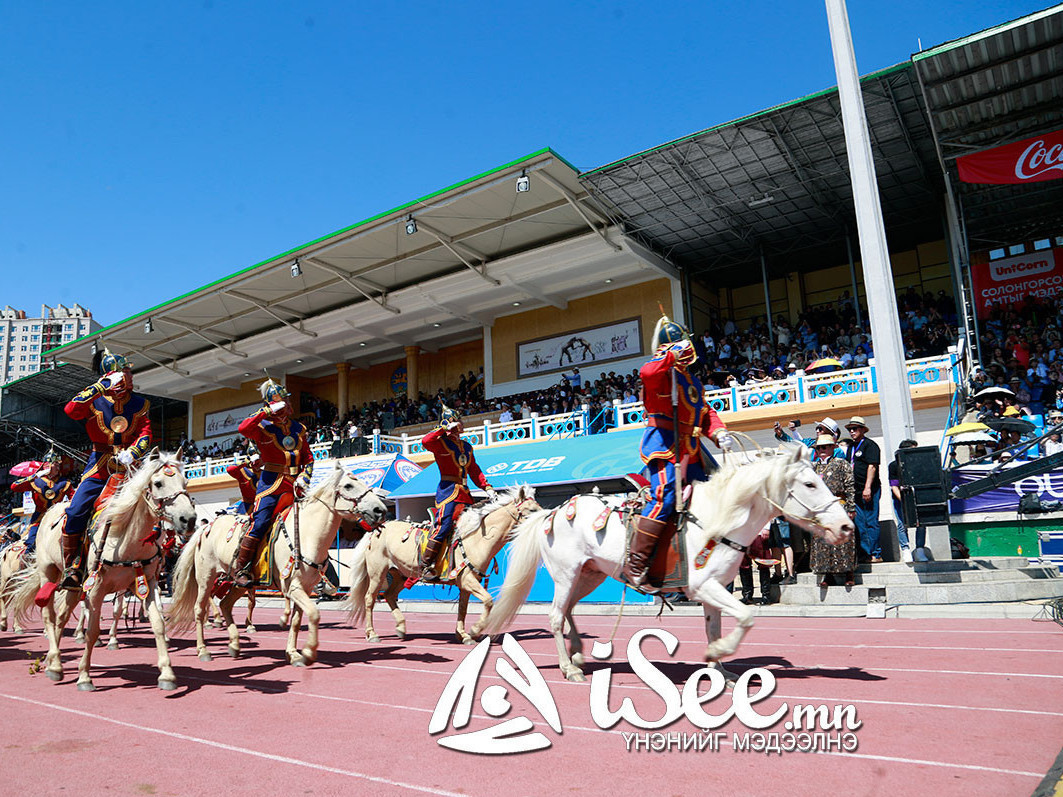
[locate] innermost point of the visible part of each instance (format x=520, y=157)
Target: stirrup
x=71, y=579
x=243, y=578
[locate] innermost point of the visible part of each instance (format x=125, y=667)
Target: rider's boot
x=643, y=543
x=242, y=575
x=73, y=573
x=428, y=559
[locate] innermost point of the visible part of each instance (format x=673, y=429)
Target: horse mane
x=472, y=517
x=722, y=503
x=121, y=508
x=331, y=483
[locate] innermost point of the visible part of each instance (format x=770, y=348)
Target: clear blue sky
x=150, y=148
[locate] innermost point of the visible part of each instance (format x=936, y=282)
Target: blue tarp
x=574, y=459
x=567, y=461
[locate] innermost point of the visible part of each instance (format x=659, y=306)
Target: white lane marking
x=245, y=751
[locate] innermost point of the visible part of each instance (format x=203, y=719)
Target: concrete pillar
x=343, y=402
x=411, y=372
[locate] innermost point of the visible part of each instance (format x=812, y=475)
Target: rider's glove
x=126, y=457
x=725, y=441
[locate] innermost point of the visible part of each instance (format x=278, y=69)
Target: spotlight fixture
x=437, y=325
x=247, y=373
x=298, y=361
x=95, y=348
x=608, y=281
x=516, y=304
x=523, y=182
x=767, y=199
x=148, y=326
x=361, y=344
x=411, y=225
x=296, y=269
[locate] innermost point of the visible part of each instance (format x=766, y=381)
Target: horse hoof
x=250, y=629
x=297, y=660
x=53, y=675
x=577, y=659
x=234, y=653
x=167, y=685
x=19, y=629
x=99, y=642
x=400, y=634
x=576, y=677
x=3, y=625
x=468, y=641
x=86, y=686
x=204, y=655
x=112, y=645
x=374, y=639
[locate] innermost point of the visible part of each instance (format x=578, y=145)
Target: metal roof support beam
x=160, y=363
x=195, y=331
x=535, y=293
x=600, y=227
x=988, y=65
x=461, y=251
x=264, y=307
x=452, y=311
x=381, y=299
x=650, y=258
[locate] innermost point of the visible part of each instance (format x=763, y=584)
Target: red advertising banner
x=1031, y=161
x=1011, y=280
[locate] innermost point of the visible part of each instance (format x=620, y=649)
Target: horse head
x=517, y=502
x=166, y=493
x=808, y=502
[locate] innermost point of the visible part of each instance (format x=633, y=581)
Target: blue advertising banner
x=1049, y=486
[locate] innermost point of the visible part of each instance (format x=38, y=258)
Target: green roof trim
x=99, y=333
x=723, y=125
x=983, y=34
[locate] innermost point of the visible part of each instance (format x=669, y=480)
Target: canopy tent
x=384, y=473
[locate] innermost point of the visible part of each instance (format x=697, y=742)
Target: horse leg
x=713, y=632
x=119, y=612
x=286, y=613
x=215, y=615
x=463, y=609
x=53, y=664
x=249, y=626
x=79, y=629
x=392, y=597
x=373, y=585
x=305, y=605
x=94, y=601
x=473, y=585
x=167, y=680
x=559, y=610
x=714, y=595
x=588, y=581
x=225, y=605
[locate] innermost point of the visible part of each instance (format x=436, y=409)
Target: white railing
x=799, y=389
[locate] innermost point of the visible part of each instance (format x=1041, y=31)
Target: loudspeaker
x=924, y=490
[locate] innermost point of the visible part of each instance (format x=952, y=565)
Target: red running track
x=955, y=707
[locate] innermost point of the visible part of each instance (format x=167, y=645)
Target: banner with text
x=1048, y=486
x=616, y=341
x=1013, y=279
x=1032, y=160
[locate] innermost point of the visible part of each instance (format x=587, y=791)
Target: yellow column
x=343, y=371
x=794, y=300
x=411, y=372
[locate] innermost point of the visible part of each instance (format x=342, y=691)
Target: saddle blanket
x=444, y=563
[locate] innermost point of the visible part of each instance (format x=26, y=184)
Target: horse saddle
x=444, y=562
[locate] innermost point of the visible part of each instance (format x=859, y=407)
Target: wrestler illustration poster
x=615, y=341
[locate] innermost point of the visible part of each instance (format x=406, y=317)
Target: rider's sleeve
x=23, y=485
x=143, y=441
x=250, y=427
x=234, y=471
x=711, y=423
x=80, y=407
x=433, y=441
x=308, y=458
x=477, y=475
x=63, y=487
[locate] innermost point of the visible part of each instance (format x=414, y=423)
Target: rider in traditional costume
x=284, y=447
x=456, y=463
x=116, y=420
x=46, y=489
x=246, y=472
x=677, y=416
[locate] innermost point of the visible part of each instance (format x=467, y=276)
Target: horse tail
x=524, y=558
x=182, y=613
x=22, y=589
x=355, y=603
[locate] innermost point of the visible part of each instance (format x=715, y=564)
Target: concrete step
x=1014, y=589
x=913, y=577
x=949, y=565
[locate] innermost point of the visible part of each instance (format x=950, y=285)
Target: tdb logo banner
x=523, y=466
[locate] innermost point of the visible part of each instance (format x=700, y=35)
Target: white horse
x=124, y=546
x=726, y=513
x=209, y=554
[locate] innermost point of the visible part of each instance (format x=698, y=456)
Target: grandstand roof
x=365, y=292
x=777, y=181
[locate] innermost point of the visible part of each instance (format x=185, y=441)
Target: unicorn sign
x=825, y=727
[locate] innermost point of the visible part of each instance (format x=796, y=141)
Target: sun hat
x=856, y=420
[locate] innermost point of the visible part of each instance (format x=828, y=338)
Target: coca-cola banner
x=999, y=283
x=1031, y=161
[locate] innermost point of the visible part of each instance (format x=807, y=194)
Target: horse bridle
x=812, y=518
x=515, y=508
x=354, y=507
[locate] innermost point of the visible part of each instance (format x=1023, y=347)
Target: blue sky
x=150, y=148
